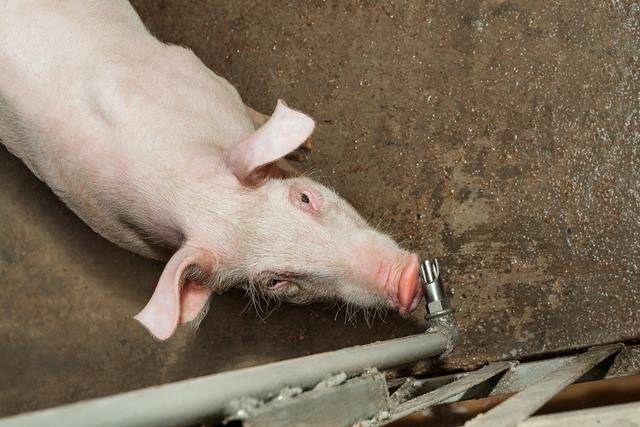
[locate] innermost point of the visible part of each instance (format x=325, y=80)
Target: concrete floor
x=500, y=136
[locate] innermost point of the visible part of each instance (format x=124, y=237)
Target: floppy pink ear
x=177, y=299
x=285, y=131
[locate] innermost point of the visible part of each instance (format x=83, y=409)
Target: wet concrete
x=500, y=136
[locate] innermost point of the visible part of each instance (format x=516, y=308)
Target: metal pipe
x=201, y=398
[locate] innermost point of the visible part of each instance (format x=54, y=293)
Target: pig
x=161, y=156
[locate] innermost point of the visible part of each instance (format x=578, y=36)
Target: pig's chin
x=294, y=288
x=366, y=297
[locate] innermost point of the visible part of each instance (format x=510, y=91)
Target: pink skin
x=380, y=265
x=404, y=293
x=162, y=157
x=397, y=281
x=409, y=290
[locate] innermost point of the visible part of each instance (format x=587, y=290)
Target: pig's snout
x=396, y=278
x=409, y=291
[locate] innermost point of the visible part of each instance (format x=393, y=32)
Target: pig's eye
x=305, y=200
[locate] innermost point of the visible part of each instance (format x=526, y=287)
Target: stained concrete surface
x=500, y=136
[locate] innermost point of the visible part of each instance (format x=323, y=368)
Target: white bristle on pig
x=161, y=156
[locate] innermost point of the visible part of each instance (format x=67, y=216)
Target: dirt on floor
x=501, y=136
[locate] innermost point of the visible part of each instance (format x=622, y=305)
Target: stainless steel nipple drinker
x=437, y=303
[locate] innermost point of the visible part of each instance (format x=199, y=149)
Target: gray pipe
x=193, y=400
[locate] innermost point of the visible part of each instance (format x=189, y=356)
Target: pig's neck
x=187, y=117
x=168, y=124
x=213, y=212
x=194, y=199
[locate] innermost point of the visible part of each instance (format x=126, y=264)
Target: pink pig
x=161, y=156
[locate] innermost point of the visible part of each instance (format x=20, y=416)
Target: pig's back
x=77, y=69
x=86, y=76
x=107, y=115
x=47, y=55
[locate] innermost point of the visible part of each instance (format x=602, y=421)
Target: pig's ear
x=178, y=298
x=285, y=131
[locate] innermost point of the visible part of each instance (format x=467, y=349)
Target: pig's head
x=295, y=240
x=307, y=243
